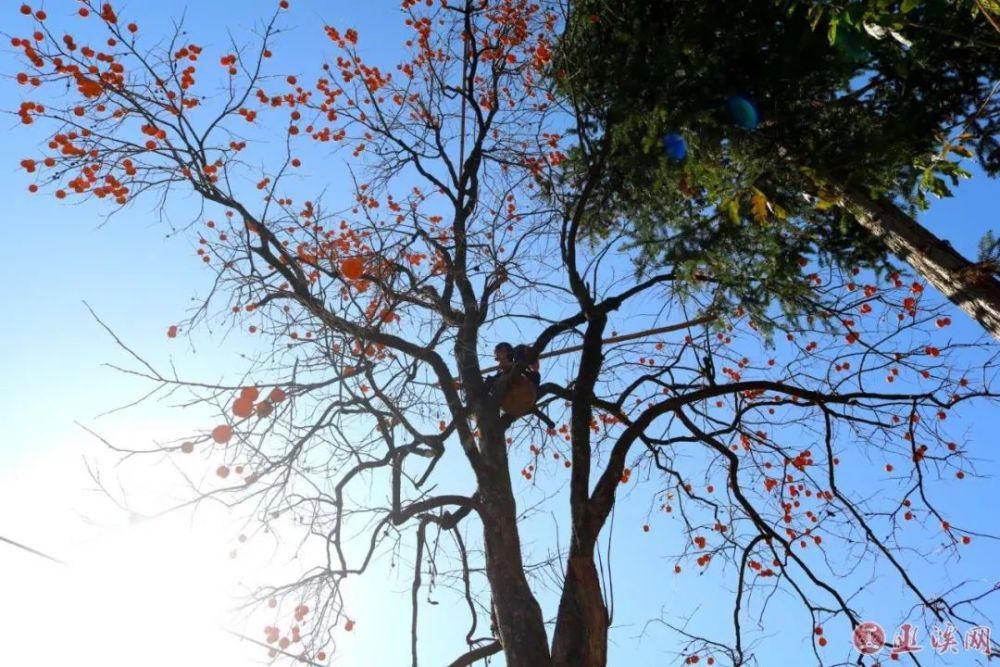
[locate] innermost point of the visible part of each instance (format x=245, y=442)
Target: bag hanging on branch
x=519, y=398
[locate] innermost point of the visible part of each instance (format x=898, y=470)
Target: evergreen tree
x=810, y=130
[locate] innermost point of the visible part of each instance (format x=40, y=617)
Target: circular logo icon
x=869, y=638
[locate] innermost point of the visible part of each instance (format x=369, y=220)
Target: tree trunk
x=969, y=286
x=581, y=635
x=518, y=614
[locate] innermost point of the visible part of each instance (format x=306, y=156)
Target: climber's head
x=504, y=355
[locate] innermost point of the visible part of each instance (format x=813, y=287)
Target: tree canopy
x=848, y=103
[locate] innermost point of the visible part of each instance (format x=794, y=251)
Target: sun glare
x=155, y=593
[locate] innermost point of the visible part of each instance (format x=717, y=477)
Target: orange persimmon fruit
x=352, y=268
x=222, y=433
x=243, y=407
x=250, y=393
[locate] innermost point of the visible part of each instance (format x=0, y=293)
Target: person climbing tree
x=519, y=393
x=503, y=354
x=525, y=356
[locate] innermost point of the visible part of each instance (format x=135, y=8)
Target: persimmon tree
x=368, y=418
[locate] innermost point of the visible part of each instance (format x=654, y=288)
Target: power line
x=704, y=319
x=32, y=551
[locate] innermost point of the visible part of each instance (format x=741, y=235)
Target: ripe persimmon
x=222, y=433
x=352, y=268
x=243, y=407
x=250, y=393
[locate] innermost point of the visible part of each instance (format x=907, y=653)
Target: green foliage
x=893, y=108
x=935, y=64
x=989, y=251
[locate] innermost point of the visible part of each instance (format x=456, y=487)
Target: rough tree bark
x=968, y=285
x=518, y=614
x=581, y=637
x=581, y=634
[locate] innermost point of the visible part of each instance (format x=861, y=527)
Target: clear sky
x=139, y=279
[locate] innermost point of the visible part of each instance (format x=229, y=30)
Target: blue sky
x=140, y=279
